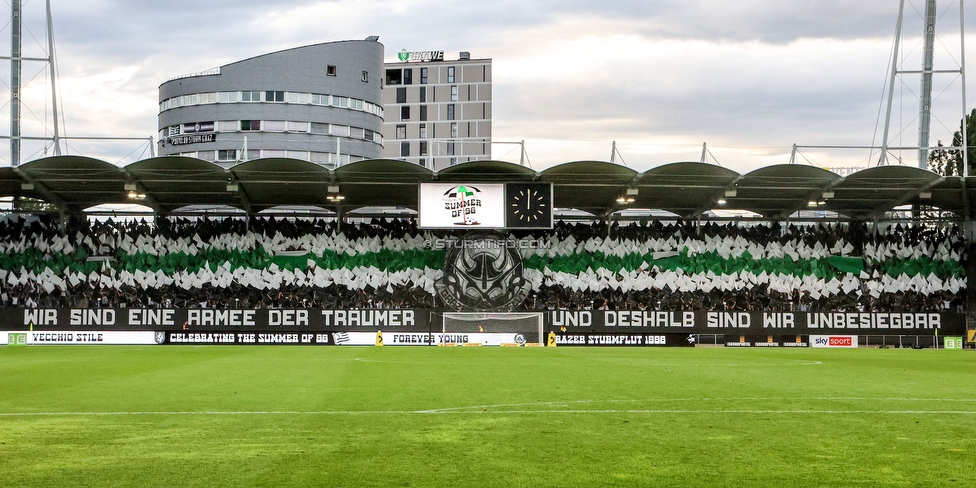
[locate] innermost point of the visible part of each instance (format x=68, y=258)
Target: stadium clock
x=528, y=205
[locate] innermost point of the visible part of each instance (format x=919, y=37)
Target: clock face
x=529, y=205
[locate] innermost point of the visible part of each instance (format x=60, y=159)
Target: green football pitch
x=428, y=416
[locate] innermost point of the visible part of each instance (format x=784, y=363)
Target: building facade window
x=423, y=112
x=250, y=125
x=250, y=96
x=365, y=76
x=423, y=76
x=450, y=148
x=423, y=148
x=450, y=74
x=407, y=76
x=405, y=113
x=450, y=111
x=454, y=93
x=394, y=76
x=454, y=161
x=423, y=94
x=330, y=70
x=227, y=97
x=423, y=162
x=297, y=126
x=423, y=131
x=454, y=129
x=292, y=97
x=401, y=95
x=273, y=126
x=318, y=157
x=404, y=149
x=401, y=131
x=227, y=155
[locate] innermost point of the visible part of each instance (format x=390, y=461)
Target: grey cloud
x=744, y=104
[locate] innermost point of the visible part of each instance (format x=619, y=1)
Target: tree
x=943, y=161
x=948, y=162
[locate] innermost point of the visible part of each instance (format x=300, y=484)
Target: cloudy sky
x=660, y=77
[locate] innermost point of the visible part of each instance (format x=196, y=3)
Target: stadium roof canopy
x=686, y=189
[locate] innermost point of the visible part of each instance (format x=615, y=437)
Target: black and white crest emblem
x=160, y=337
x=483, y=272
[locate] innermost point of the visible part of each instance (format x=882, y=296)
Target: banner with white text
x=753, y=323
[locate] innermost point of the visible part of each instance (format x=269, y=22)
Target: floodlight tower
x=16, y=58
x=925, y=97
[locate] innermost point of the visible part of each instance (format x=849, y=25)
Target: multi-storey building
x=438, y=113
x=320, y=103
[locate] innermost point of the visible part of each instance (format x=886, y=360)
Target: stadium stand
x=319, y=263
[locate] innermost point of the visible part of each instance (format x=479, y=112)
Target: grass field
x=415, y=416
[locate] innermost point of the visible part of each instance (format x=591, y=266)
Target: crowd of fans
x=761, y=298
x=93, y=239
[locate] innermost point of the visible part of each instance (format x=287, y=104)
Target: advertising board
x=77, y=337
x=847, y=341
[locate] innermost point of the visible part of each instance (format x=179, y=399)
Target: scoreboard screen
x=485, y=206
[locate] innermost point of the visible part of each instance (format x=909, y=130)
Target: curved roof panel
x=382, y=169
x=684, y=188
x=270, y=182
x=873, y=191
x=590, y=186
x=77, y=182
x=380, y=182
x=486, y=172
x=778, y=191
x=279, y=169
x=178, y=181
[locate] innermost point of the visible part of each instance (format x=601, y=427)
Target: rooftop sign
x=420, y=56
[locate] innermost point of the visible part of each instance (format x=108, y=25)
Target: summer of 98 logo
x=483, y=273
x=463, y=203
